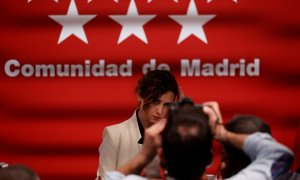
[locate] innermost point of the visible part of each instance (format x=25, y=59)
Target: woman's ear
x=139, y=100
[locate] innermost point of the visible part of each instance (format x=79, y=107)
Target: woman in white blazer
x=121, y=142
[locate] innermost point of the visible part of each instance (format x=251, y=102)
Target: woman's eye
x=167, y=104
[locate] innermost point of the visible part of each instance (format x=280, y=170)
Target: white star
x=57, y=1
x=149, y=1
x=72, y=23
x=192, y=23
x=31, y=0
x=208, y=1
x=132, y=23
x=152, y=0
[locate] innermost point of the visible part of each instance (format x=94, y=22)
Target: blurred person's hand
x=153, y=139
x=212, y=109
x=151, y=146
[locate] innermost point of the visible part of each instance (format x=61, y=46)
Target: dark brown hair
x=17, y=172
x=154, y=84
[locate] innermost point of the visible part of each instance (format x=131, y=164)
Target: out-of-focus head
x=234, y=159
x=186, y=141
x=155, y=91
x=17, y=172
x=247, y=124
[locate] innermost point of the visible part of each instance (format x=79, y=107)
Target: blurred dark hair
x=186, y=141
x=234, y=158
x=17, y=172
x=154, y=84
x=247, y=124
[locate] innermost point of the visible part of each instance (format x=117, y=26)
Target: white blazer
x=119, y=145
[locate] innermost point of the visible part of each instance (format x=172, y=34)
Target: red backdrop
x=54, y=124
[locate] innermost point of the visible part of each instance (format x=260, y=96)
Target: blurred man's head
x=234, y=159
x=186, y=142
x=155, y=91
x=17, y=172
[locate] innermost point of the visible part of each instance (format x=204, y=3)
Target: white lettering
x=253, y=68
x=222, y=68
x=126, y=69
x=97, y=69
x=208, y=69
x=190, y=70
x=27, y=70
x=225, y=68
x=8, y=70
x=45, y=69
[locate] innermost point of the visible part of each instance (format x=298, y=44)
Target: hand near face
x=153, y=139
